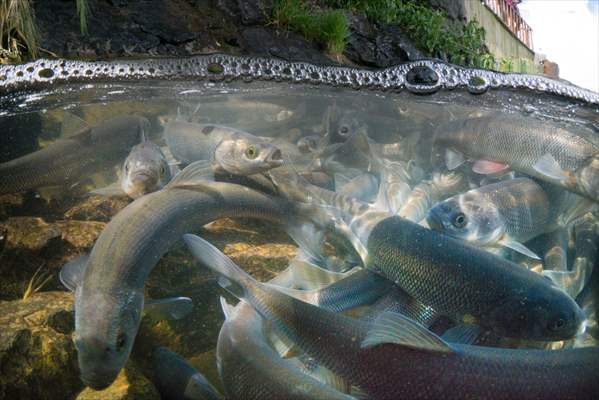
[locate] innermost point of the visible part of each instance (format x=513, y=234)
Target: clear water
x=44, y=227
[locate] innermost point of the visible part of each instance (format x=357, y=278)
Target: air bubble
x=45, y=73
x=422, y=75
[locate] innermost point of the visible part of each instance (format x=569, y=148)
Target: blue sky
x=567, y=31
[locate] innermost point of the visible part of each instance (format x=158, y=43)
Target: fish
x=246, y=355
x=429, y=192
x=176, y=379
x=507, y=213
x=394, y=357
x=251, y=369
x=109, y=295
x=145, y=170
x=68, y=160
x=461, y=280
x=538, y=149
x=231, y=150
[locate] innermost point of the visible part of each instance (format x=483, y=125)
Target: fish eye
x=121, y=339
x=126, y=167
x=460, y=220
x=162, y=170
x=557, y=324
x=251, y=152
x=344, y=129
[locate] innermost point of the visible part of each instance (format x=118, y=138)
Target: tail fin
x=233, y=279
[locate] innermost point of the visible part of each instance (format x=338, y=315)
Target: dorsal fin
x=194, y=174
x=71, y=274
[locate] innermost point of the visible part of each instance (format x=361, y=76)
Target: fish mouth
x=97, y=381
x=434, y=221
x=275, y=157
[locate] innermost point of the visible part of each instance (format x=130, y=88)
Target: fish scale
x=390, y=370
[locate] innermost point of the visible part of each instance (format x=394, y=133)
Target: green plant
x=327, y=27
x=83, y=11
x=18, y=33
x=506, y=65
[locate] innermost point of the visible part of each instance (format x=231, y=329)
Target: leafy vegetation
x=18, y=33
x=430, y=30
x=19, y=37
x=327, y=27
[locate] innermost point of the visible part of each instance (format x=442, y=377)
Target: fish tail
x=231, y=277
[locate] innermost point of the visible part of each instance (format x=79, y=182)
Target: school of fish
x=462, y=267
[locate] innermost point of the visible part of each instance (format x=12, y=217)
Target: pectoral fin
x=453, y=159
x=112, y=190
x=71, y=274
x=464, y=334
x=168, y=308
x=520, y=248
x=548, y=166
x=194, y=174
x=390, y=327
x=486, y=167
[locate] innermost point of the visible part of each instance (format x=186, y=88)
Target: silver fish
x=145, y=170
x=231, y=150
x=109, y=285
x=68, y=160
x=507, y=213
x=538, y=149
x=393, y=357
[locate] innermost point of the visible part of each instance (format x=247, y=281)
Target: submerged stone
x=37, y=355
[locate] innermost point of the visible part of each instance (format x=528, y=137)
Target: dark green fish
x=458, y=279
x=66, y=161
x=393, y=357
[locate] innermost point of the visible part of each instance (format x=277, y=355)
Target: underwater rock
x=28, y=233
x=80, y=234
x=130, y=384
x=97, y=208
x=37, y=354
x=34, y=234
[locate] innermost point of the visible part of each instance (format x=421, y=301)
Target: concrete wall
x=499, y=39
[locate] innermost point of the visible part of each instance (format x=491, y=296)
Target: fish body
x=541, y=150
x=145, y=170
x=109, y=302
x=428, y=193
x=178, y=380
x=231, y=150
x=68, y=160
x=458, y=279
x=392, y=357
x=515, y=210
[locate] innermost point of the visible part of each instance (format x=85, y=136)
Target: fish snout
x=97, y=381
x=275, y=157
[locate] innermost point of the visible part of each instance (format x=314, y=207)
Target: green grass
x=326, y=27
x=18, y=32
x=83, y=11
x=430, y=30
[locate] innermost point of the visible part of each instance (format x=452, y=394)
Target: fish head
x=105, y=328
x=589, y=178
x=468, y=217
x=546, y=314
x=247, y=156
x=308, y=144
x=145, y=170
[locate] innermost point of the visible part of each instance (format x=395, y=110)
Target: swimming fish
x=145, y=170
x=458, y=279
x=538, y=149
x=393, y=357
x=66, y=161
x=109, y=294
x=427, y=193
x=231, y=150
x=508, y=213
x=176, y=379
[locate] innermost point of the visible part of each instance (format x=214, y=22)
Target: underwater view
x=253, y=229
